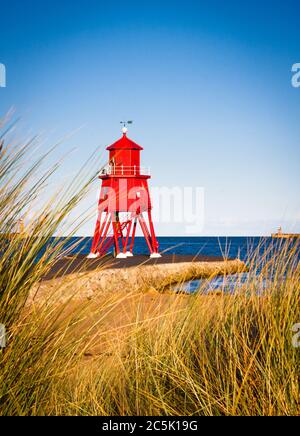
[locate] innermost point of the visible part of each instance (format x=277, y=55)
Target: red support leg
x=96, y=236
x=116, y=239
x=141, y=217
x=153, y=237
x=146, y=232
x=133, y=235
x=107, y=224
x=119, y=228
x=98, y=232
x=109, y=242
x=127, y=237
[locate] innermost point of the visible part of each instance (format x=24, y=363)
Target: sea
x=242, y=247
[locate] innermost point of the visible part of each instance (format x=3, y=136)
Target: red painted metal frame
x=109, y=229
x=104, y=239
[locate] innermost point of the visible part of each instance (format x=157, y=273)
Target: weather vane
x=125, y=123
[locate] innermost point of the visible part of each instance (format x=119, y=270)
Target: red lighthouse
x=124, y=202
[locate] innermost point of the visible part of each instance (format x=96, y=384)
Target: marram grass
x=131, y=355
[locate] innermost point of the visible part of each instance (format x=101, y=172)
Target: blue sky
x=208, y=85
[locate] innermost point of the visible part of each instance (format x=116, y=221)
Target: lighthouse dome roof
x=124, y=143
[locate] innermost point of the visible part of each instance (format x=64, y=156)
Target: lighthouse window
x=138, y=194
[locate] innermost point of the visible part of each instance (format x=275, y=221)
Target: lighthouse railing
x=124, y=170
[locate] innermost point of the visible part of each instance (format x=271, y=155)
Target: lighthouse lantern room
x=124, y=202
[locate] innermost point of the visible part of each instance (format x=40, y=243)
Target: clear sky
x=207, y=83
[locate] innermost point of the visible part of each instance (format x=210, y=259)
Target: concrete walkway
x=79, y=263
